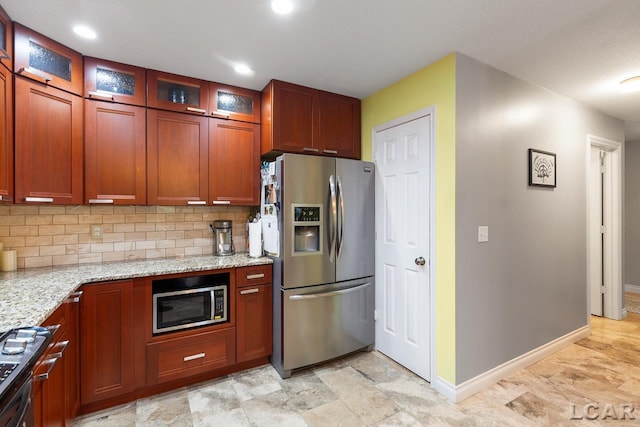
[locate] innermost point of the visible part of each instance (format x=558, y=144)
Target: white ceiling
x=579, y=48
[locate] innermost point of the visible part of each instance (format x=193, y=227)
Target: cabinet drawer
x=255, y=275
x=182, y=357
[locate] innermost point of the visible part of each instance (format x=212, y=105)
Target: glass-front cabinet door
x=229, y=102
x=177, y=93
x=6, y=40
x=111, y=81
x=47, y=61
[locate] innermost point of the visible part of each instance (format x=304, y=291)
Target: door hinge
x=603, y=229
x=603, y=289
x=603, y=168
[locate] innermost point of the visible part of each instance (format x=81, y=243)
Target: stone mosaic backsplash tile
x=61, y=235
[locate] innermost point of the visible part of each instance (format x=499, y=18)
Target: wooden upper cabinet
x=177, y=93
x=112, y=81
x=289, y=118
x=339, y=128
x=234, y=162
x=6, y=135
x=39, y=58
x=298, y=119
x=115, y=153
x=48, y=144
x=230, y=102
x=177, y=158
x=6, y=40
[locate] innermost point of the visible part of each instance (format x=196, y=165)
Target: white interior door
x=402, y=157
x=595, y=233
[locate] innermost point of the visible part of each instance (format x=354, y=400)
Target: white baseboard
x=632, y=288
x=466, y=389
x=624, y=314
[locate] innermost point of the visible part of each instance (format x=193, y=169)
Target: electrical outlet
x=96, y=231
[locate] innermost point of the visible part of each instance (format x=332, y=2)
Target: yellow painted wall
x=433, y=85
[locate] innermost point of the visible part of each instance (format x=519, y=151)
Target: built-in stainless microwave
x=189, y=302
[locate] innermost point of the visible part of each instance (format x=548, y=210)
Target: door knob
x=420, y=261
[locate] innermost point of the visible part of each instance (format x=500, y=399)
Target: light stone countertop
x=28, y=297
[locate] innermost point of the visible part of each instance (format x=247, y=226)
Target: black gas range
x=20, y=349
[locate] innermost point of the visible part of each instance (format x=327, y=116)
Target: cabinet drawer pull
x=250, y=291
x=255, y=276
x=74, y=297
x=39, y=199
x=315, y=150
x=196, y=202
x=34, y=74
x=197, y=110
x=221, y=202
x=330, y=151
x=220, y=115
x=45, y=375
x=6, y=198
x=100, y=201
x=99, y=95
x=62, y=346
x=194, y=357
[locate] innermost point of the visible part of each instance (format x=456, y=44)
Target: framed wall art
x=542, y=168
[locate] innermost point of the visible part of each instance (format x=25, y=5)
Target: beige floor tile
x=334, y=413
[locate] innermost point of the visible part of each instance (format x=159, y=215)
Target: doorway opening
x=604, y=227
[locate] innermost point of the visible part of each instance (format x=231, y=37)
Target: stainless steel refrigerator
x=324, y=272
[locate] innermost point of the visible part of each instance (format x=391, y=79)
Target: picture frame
x=542, y=168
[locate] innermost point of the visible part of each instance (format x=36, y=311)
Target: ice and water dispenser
x=307, y=229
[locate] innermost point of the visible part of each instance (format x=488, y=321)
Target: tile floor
x=597, y=377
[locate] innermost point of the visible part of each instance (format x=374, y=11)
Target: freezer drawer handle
x=255, y=276
x=250, y=291
x=330, y=294
x=194, y=357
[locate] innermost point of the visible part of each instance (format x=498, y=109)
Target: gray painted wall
x=527, y=285
x=632, y=214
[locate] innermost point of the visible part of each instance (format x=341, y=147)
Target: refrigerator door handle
x=330, y=293
x=332, y=218
x=341, y=212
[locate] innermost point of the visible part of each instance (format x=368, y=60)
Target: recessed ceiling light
x=243, y=69
x=85, y=32
x=631, y=84
x=282, y=7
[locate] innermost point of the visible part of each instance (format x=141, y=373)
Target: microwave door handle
x=213, y=304
x=341, y=221
x=332, y=218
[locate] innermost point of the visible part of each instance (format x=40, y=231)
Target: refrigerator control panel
x=306, y=213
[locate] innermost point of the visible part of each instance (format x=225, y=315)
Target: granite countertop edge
x=29, y=296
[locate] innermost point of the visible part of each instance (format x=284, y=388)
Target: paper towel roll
x=8, y=260
x=255, y=239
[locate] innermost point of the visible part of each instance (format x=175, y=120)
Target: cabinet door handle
x=194, y=357
x=197, y=110
x=196, y=202
x=100, y=201
x=221, y=202
x=39, y=199
x=250, y=291
x=45, y=375
x=314, y=150
x=255, y=276
x=6, y=198
x=34, y=74
x=100, y=95
x=330, y=151
x=220, y=115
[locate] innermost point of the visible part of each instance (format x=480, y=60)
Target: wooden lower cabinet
x=106, y=341
x=174, y=359
x=56, y=383
x=254, y=312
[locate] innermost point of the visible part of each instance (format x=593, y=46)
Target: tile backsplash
x=62, y=235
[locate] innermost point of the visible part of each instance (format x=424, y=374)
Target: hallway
x=597, y=377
